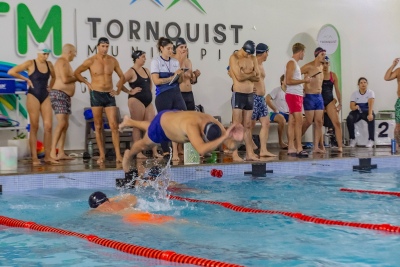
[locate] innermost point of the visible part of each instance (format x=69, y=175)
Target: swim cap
x=318, y=50
x=261, y=48
x=327, y=59
x=136, y=54
x=96, y=199
x=103, y=40
x=211, y=131
x=179, y=41
x=43, y=48
x=249, y=47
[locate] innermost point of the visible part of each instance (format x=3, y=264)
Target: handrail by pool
x=302, y=217
x=166, y=255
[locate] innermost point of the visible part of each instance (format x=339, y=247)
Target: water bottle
x=90, y=148
x=393, y=143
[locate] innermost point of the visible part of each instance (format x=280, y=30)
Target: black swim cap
x=96, y=199
x=136, y=54
x=211, y=131
x=318, y=50
x=179, y=41
x=261, y=48
x=249, y=47
x=103, y=40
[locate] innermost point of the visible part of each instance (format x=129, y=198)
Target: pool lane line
x=299, y=216
x=166, y=255
x=396, y=194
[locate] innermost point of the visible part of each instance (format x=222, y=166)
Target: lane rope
x=396, y=194
x=296, y=215
x=165, y=255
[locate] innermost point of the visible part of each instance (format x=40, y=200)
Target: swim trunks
x=260, y=108
x=101, y=99
x=313, y=102
x=397, y=110
x=242, y=101
x=294, y=102
x=156, y=132
x=60, y=102
x=272, y=116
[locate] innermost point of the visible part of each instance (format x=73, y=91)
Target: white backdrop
x=367, y=29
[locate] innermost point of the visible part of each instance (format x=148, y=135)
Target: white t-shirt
x=278, y=98
x=362, y=99
x=298, y=88
x=165, y=69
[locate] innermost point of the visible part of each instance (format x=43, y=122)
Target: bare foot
x=267, y=154
x=53, y=155
x=125, y=161
x=36, y=162
x=51, y=161
x=317, y=150
x=63, y=157
x=141, y=156
x=252, y=157
x=176, y=158
x=236, y=158
x=100, y=160
x=123, y=124
x=119, y=159
x=283, y=146
x=340, y=149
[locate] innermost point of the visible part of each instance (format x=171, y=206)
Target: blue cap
x=327, y=58
x=211, y=131
x=261, y=48
x=249, y=47
x=96, y=199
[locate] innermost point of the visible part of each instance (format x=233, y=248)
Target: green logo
x=194, y=2
x=26, y=22
x=4, y=7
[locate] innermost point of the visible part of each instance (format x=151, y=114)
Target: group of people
x=304, y=90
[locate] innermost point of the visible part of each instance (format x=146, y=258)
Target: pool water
x=213, y=232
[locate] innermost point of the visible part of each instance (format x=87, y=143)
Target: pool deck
x=79, y=165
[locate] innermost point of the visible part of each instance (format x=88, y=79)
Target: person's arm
x=151, y=80
x=65, y=76
x=371, y=101
x=337, y=91
x=84, y=67
x=52, y=75
x=290, y=69
x=354, y=106
x=121, y=81
x=15, y=72
x=390, y=74
x=270, y=103
x=128, y=76
x=235, y=70
x=255, y=78
x=155, y=76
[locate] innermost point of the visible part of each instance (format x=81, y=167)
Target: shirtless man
x=102, y=95
x=313, y=101
x=243, y=69
x=260, y=110
x=203, y=131
x=190, y=76
x=392, y=74
x=40, y=70
x=294, y=100
x=60, y=97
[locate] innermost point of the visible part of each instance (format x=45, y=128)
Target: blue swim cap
x=136, y=54
x=180, y=41
x=96, y=199
x=249, y=47
x=211, y=131
x=261, y=48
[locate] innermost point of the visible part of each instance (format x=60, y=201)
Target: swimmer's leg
x=128, y=122
x=137, y=147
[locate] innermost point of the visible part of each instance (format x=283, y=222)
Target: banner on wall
x=329, y=39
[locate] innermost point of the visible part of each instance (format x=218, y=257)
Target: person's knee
x=47, y=126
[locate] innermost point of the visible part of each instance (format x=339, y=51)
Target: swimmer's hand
x=307, y=79
x=197, y=73
x=235, y=131
x=178, y=72
x=89, y=85
x=114, y=93
x=396, y=61
x=135, y=90
x=30, y=84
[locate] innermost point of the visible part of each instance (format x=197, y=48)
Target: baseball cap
x=43, y=48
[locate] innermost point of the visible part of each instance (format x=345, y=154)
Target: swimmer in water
x=122, y=205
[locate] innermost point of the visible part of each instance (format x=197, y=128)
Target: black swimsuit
x=145, y=95
x=327, y=90
x=39, y=81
